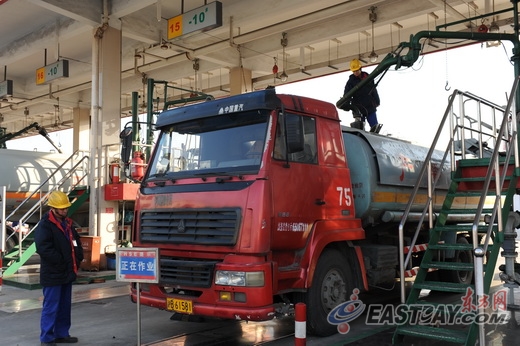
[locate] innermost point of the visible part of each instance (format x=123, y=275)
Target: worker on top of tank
x=366, y=100
x=59, y=247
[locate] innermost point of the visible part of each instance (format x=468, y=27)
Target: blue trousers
x=55, y=320
x=372, y=119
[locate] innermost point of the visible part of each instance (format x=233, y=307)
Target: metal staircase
x=76, y=170
x=461, y=258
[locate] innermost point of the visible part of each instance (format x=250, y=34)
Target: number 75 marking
x=345, y=196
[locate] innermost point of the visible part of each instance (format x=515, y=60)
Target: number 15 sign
x=200, y=19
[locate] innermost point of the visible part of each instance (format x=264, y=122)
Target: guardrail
x=491, y=133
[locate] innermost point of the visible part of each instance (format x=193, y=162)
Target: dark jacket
x=365, y=99
x=59, y=257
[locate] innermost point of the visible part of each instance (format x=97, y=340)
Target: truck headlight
x=234, y=278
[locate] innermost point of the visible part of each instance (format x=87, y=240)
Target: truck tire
x=332, y=285
x=462, y=256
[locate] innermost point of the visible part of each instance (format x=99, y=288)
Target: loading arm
x=41, y=131
x=414, y=50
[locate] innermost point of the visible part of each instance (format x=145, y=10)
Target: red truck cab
x=249, y=200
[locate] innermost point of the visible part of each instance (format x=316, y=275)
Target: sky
x=413, y=100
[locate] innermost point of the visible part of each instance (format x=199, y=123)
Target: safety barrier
x=300, y=325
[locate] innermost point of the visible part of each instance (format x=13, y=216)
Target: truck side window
x=309, y=152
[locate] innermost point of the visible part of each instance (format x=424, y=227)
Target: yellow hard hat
x=58, y=200
x=355, y=65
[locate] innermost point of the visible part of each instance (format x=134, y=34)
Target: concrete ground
x=103, y=315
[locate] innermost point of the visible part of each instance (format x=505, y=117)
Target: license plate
x=179, y=305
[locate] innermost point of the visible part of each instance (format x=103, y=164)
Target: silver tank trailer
x=24, y=171
x=384, y=171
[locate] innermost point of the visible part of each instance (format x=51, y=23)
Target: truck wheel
x=331, y=286
x=462, y=256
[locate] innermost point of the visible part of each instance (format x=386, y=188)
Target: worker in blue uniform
x=59, y=247
x=366, y=100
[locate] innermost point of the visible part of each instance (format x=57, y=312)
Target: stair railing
x=510, y=138
x=80, y=166
x=461, y=128
x=428, y=207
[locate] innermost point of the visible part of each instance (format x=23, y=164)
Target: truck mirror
x=294, y=131
x=126, y=144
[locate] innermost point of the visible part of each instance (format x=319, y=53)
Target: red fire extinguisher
x=137, y=165
x=114, y=172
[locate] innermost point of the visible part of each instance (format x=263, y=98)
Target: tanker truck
x=259, y=201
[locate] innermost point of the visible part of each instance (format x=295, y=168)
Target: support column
x=240, y=81
x=81, y=129
x=105, y=129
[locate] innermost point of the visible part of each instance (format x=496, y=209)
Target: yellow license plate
x=179, y=305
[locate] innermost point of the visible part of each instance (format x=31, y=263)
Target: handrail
x=427, y=166
x=457, y=132
x=38, y=206
x=494, y=166
x=39, y=188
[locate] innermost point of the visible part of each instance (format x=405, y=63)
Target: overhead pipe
x=414, y=50
x=239, y=40
x=450, y=10
x=244, y=38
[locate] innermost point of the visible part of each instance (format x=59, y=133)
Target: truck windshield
x=226, y=144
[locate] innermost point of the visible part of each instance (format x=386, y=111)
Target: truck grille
x=191, y=226
x=186, y=272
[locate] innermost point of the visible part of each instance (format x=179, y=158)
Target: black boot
x=358, y=124
x=376, y=128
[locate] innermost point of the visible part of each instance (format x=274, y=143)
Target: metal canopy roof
x=322, y=36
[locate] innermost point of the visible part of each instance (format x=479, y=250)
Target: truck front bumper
x=246, y=313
